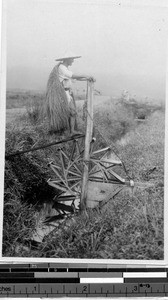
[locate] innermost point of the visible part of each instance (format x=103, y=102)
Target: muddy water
x=43, y=229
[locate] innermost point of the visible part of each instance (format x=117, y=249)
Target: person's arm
x=83, y=77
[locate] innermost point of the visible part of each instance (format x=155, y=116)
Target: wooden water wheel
x=86, y=174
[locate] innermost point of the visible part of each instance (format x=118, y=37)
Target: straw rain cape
x=56, y=107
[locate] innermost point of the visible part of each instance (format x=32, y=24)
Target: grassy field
x=130, y=226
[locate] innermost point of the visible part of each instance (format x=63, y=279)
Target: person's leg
x=73, y=106
x=72, y=119
x=72, y=124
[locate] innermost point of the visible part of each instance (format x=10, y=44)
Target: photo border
x=121, y=262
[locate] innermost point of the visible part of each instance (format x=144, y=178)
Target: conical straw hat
x=68, y=55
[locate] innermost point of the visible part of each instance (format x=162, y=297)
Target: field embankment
x=130, y=226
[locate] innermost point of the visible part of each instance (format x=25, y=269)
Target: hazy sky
x=122, y=44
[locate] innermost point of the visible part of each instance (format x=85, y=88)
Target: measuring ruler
x=81, y=280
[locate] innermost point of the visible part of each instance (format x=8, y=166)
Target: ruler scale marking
x=60, y=279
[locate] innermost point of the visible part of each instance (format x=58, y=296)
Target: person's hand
x=91, y=78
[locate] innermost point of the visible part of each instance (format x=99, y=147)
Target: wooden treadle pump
x=86, y=175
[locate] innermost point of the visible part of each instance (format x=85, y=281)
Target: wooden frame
x=88, y=139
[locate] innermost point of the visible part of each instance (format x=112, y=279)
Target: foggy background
x=122, y=44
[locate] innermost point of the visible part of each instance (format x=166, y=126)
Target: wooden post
x=88, y=139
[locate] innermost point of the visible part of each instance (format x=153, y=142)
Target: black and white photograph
x=84, y=149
